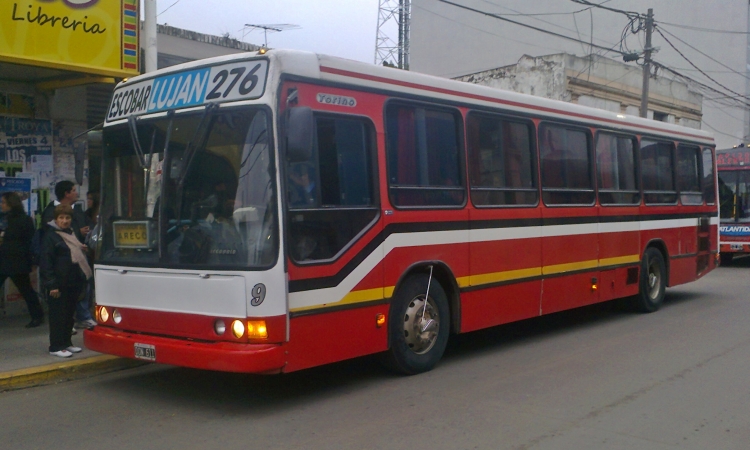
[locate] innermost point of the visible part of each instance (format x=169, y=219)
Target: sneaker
x=73, y=349
x=61, y=354
x=86, y=324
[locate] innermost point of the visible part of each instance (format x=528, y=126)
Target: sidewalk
x=25, y=360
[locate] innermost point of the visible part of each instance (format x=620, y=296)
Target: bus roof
x=328, y=68
x=733, y=157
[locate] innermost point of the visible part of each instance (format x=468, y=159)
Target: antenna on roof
x=276, y=27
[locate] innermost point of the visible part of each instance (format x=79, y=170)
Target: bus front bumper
x=221, y=356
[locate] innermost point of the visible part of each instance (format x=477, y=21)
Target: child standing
x=64, y=270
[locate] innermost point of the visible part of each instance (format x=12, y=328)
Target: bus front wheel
x=418, y=327
x=653, y=282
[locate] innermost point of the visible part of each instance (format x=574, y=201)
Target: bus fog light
x=220, y=327
x=116, y=317
x=103, y=314
x=238, y=329
x=256, y=329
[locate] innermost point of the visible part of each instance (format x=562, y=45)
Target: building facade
x=597, y=82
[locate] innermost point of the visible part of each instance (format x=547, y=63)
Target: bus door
x=332, y=232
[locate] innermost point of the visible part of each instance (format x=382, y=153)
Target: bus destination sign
x=221, y=83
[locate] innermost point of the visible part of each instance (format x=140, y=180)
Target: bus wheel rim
x=421, y=325
x=654, y=280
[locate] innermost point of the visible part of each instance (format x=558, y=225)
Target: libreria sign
x=221, y=83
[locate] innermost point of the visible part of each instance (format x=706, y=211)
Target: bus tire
x=416, y=345
x=653, y=282
x=726, y=258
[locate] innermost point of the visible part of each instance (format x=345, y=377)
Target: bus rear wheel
x=653, y=282
x=726, y=258
x=418, y=327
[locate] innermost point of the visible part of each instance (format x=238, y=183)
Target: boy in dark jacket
x=64, y=270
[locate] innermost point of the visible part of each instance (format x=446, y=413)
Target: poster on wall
x=21, y=186
x=26, y=143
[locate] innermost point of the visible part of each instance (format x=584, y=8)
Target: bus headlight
x=256, y=329
x=116, y=317
x=238, y=329
x=220, y=327
x=103, y=314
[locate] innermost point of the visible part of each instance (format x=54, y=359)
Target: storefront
x=59, y=61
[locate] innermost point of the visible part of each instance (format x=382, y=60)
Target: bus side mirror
x=93, y=136
x=299, y=134
x=79, y=152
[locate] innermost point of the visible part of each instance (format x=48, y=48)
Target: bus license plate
x=737, y=247
x=145, y=351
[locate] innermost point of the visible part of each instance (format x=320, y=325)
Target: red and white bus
x=733, y=166
x=276, y=211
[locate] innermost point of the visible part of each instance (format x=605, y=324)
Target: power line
x=630, y=14
x=703, y=85
x=704, y=54
x=696, y=67
x=168, y=7
x=707, y=30
x=528, y=26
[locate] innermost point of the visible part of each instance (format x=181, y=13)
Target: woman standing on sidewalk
x=15, y=254
x=64, y=269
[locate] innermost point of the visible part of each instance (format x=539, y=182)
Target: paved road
x=595, y=378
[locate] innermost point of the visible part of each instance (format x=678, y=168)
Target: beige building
x=597, y=82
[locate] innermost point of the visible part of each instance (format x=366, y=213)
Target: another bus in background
x=734, y=194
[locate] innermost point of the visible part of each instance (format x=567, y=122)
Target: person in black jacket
x=64, y=270
x=15, y=254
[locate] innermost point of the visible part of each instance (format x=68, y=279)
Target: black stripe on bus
x=414, y=227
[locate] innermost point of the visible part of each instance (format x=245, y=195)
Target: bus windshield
x=190, y=190
x=734, y=192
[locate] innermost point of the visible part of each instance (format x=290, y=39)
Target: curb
x=64, y=371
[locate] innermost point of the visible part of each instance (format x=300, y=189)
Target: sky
x=344, y=28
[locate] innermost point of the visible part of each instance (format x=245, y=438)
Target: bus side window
x=501, y=166
x=424, y=156
x=616, y=167
x=688, y=174
x=709, y=187
x=566, y=166
x=331, y=197
x=658, y=172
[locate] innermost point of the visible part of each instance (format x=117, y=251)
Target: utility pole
x=149, y=36
x=647, y=62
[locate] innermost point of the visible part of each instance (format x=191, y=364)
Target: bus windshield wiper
x=201, y=132
x=200, y=135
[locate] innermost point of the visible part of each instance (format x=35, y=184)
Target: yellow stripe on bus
x=368, y=295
